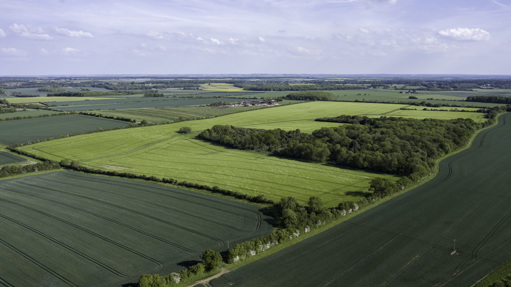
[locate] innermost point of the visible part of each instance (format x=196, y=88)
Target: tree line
x=490, y=99
x=310, y=96
x=92, y=93
x=16, y=169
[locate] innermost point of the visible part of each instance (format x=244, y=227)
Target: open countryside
x=72, y=229
x=451, y=231
x=309, y=210
x=162, y=152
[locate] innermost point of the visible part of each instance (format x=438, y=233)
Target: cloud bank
x=466, y=34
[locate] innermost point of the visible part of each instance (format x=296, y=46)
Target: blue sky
x=59, y=37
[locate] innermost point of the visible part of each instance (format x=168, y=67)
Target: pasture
x=162, y=152
x=31, y=130
x=408, y=241
x=73, y=229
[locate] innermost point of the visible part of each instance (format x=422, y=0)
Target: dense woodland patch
x=398, y=146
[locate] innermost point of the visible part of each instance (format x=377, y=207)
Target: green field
x=9, y=158
x=30, y=130
x=26, y=114
x=408, y=241
x=162, y=152
x=50, y=99
x=73, y=229
x=166, y=115
x=223, y=87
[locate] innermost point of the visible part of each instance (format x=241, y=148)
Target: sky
x=84, y=37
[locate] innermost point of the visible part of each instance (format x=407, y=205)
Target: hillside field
x=164, y=153
x=73, y=229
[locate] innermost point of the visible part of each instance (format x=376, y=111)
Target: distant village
x=254, y=103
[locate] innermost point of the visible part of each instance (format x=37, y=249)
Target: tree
x=185, y=130
x=316, y=205
x=212, y=259
x=382, y=186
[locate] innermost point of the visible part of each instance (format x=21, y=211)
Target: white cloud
x=13, y=52
x=2, y=33
x=216, y=41
x=74, y=34
x=156, y=35
x=466, y=34
x=261, y=39
x=70, y=51
x=31, y=32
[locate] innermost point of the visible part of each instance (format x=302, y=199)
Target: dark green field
x=72, y=229
x=408, y=241
x=136, y=103
x=9, y=158
x=31, y=130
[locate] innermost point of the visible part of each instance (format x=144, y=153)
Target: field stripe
x=181, y=211
x=110, y=220
x=62, y=244
x=39, y=264
x=84, y=230
x=167, y=193
x=220, y=242
x=5, y=283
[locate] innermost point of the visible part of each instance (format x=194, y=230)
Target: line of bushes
x=17, y=169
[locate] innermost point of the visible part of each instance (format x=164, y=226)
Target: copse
x=398, y=146
x=310, y=96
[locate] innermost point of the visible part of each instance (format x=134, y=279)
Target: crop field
x=409, y=240
x=51, y=99
x=30, y=130
x=166, y=115
x=221, y=87
x=162, y=152
x=9, y=158
x=442, y=97
x=27, y=113
x=73, y=229
x=144, y=103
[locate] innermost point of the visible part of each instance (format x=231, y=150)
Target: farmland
x=30, y=130
x=26, y=114
x=409, y=240
x=174, y=114
x=162, y=152
x=76, y=229
x=92, y=230
x=9, y=158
